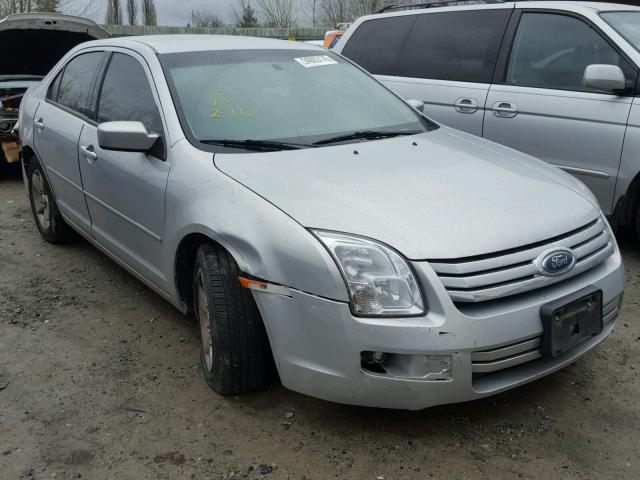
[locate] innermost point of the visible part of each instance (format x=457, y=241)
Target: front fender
x=265, y=241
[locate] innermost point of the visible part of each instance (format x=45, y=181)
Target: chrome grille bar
x=490, y=277
x=500, y=358
x=488, y=361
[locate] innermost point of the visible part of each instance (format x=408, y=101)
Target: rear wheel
x=235, y=352
x=48, y=219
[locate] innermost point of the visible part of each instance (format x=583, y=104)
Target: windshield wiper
x=257, y=144
x=366, y=135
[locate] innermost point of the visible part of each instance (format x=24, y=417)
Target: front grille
x=493, y=276
x=501, y=358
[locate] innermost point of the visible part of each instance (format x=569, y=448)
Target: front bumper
x=317, y=343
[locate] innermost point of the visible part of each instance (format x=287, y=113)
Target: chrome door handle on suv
x=39, y=124
x=505, y=109
x=466, y=105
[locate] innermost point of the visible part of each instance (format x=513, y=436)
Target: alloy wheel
x=40, y=200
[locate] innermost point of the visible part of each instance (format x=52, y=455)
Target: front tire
x=235, y=353
x=48, y=219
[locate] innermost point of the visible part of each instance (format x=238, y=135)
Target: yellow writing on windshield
x=222, y=105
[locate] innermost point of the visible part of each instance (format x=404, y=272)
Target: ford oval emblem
x=556, y=262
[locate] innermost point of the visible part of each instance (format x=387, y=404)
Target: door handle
x=89, y=152
x=39, y=124
x=466, y=105
x=505, y=109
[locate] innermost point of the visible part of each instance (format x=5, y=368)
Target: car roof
x=164, y=44
x=572, y=6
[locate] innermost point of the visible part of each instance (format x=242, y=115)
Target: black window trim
x=98, y=72
x=57, y=76
x=161, y=155
x=499, y=77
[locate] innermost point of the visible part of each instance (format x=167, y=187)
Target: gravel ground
x=100, y=379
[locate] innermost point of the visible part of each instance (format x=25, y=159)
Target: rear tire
x=235, y=352
x=48, y=219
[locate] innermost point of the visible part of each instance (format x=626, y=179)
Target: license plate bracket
x=571, y=320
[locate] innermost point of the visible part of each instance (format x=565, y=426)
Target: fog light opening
x=427, y=367
x=373, y=361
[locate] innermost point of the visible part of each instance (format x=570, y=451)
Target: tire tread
x=242, y=356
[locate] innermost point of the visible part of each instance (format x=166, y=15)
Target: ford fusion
x=317, y=227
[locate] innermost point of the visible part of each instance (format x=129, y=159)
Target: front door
x=125, y=190
x=543, y=108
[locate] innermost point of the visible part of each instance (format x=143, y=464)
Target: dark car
x=37, y=42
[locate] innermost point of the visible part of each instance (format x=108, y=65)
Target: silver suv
x=556, y=80
x=314, y=222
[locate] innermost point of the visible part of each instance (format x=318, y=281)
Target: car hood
x=35, y=42
x=442, y=194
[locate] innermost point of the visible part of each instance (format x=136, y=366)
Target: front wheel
x=48, y=219
x=235, y=352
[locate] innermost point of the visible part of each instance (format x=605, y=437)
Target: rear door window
x=74, y=91
x=377, y=44
x=456, y=46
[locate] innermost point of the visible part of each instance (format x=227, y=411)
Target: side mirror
x=417, y=104
x=126, y=137
x=606, y=78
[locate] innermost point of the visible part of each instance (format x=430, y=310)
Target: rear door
x=539, y=104
x=58, y=124
x=125, y=190
x=445, y=59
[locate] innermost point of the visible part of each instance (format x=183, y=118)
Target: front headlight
x=379, y=280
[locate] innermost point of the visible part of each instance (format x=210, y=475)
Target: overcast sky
x=175, y=12
x=170, y=12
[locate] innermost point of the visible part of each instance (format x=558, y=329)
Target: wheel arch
x=184, y=262
x=623, y=216
x=28, y=154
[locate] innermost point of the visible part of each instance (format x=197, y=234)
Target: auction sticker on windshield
x=315, y=61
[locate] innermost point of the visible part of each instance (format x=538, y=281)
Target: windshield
x=626, y=24
x=294, y=96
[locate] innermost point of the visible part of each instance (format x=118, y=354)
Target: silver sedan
x=318, y=227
